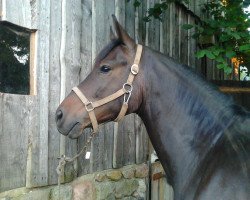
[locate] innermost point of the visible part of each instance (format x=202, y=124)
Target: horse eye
x=105, y=69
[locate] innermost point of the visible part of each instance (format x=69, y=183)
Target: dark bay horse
x=201, y=136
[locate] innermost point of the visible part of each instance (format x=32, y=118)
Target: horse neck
x=184, y=120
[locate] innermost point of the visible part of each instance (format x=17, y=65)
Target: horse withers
x=201, y=137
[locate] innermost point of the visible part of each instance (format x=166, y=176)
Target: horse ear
x=112, y=34
x=123, y=35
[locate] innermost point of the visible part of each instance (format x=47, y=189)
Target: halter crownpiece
x=126, y=90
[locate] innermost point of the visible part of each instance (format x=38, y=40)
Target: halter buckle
x=134, y=69
x=89, y=106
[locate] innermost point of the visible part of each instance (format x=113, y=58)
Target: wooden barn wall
x=69, y=35
x=19, y=114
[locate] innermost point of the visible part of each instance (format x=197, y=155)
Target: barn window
x=15, y=59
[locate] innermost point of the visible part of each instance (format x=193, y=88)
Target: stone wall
x=127, y=183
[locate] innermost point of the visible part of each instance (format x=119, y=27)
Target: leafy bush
x=222, y=34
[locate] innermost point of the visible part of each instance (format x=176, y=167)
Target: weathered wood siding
x=20, y=12
x=72, y=32
x=15, y=126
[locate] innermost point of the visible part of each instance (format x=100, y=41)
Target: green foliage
x=222, y=34
x=157, y=10
x=227, y=24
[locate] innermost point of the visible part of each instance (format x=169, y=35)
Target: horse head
x=106, y=90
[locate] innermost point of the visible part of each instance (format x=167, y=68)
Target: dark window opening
x=14, y=59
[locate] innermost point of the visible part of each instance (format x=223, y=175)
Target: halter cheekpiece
x=126, y=90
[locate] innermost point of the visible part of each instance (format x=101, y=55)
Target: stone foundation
x=127, y=183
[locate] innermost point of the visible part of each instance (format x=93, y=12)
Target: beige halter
x=126, y=91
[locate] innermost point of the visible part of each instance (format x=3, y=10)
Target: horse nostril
x=59, y=115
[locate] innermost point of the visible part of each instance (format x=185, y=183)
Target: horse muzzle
x=69, y=127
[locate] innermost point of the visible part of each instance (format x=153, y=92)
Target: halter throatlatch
x=126, y=90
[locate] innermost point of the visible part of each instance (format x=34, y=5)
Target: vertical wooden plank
x=166, y=32
x=154, y=30
x=209, y=69
x=62, y=59
x=120, y=10
x=146, y=6
x=101, y=22
x=32, y=140
x=160, y=189
x=86, y=59
x=118, y=147
x=73, y=66
x=130, y=18
x=86, y=39
x=54, y=89
x=73, y=45
x=108, y=129
x=154, y=182
x=84, y=165
x=39, y=150
x=1, y=10
x=141, y=24
x=13, y=140
x=142, y=141
x=108, y=145
x=34, y=14
x=166, y=189
x=184, y=41
x=141, y=145
x=33, y=63
x=171, y=29
x=192, y=44
x=176, y=36
x=126, y=126
x=126, y=129
x=216, y=74
x=43, y=83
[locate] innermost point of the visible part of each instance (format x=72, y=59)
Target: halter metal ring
x=127, y=87
x=89, y=106
x=134, y=69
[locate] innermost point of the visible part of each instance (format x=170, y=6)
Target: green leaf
x=217, y=51
x=220, y=59
x=221, y=66
x=224, y=37
x=236, y=36
x=228, y=70
x=201, y=53
x=210, y=55
x=245, y=47
x=230, y=54
x=187, y=26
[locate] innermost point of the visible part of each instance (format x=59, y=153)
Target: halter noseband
x=126, y=90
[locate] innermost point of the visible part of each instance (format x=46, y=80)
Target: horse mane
x=222, y=107
x=221, y=124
